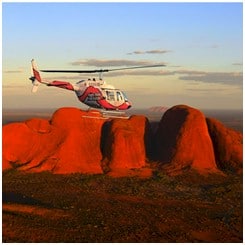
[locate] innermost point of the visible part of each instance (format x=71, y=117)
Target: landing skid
x=114, y=114
x=104, y=114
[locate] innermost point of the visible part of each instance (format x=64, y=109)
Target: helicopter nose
x=129, y=104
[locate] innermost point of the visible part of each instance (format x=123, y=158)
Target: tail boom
x=36, y=80
x=60, y=84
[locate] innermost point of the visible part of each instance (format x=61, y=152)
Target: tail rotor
x=35, y=78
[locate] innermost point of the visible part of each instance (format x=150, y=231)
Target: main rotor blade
x=102, y=70
x=77, y=71
x=135, y=67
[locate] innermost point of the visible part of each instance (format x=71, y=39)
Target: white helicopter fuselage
x=99, y=94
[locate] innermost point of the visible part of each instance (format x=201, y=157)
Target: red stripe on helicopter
x=89, y=90
x=65, y=85
x=105, y=104
x=124, y=106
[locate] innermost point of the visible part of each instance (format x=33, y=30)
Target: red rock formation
x=75, y=141
x=72, y=142
x=69, y=143
x=25, y=146
x=183, y=141
x=124, y=147
x=228, y=146
x=80, y=151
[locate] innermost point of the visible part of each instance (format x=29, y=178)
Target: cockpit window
x=110, y=95
x=119, y=96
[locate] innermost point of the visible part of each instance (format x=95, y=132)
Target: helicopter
x=95, y=93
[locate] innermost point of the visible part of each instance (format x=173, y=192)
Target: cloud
x=208, y=90
x=229, y=78
x=155, y=51
x=13, y=86
x=175, y=66
x=13, y=71
x=189, y=72
x=109, y=63
x=237, y=64
x=136, y=52
x=114, y=63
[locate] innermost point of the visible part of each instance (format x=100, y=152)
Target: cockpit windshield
x=124, y=95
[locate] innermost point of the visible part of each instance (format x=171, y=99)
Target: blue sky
x=200, y=43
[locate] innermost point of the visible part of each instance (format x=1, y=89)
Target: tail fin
x=36, y=78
